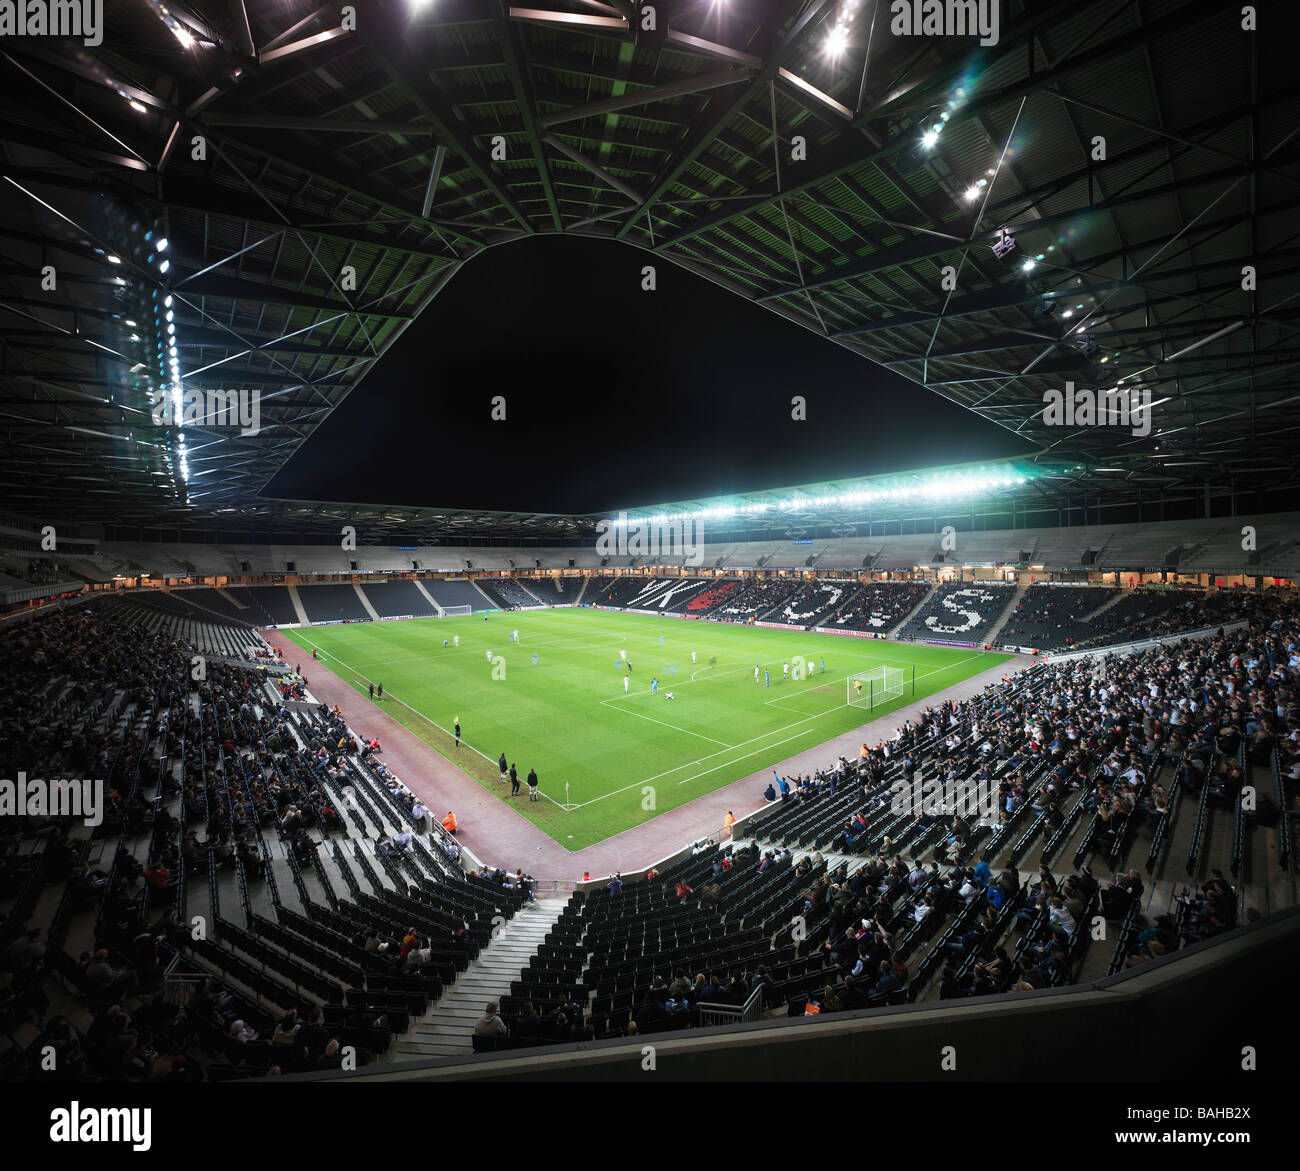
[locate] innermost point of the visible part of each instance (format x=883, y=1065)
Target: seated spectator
x=490, y=1023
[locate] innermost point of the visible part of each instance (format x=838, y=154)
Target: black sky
x=615, y=397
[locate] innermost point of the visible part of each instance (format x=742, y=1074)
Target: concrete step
x=447, y=1027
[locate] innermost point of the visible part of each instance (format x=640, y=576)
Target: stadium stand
x=288, y=802
x=712, y=597
x=393, y=599
x=1152, y=613
x=877, y=606
x=815, y=601
x=454, y=592
x=507, y=594
x=676, y=595
x=754, y=600
x=554, y=591
x=217, y=603
x=959, y=611
x=272, y=604
x=624, y=592
x=328, y=602
x=1206, y=546
x=1055, y=617
x=163, y=612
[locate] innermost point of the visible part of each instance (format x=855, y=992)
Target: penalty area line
x=444, y=731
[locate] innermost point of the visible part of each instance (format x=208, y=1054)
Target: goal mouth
x=879, y=686
x=457, y=611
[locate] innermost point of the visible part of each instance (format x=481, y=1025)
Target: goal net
x=456, y=611
x=880, y=685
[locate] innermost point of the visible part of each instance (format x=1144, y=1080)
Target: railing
x=1132, y=648
x=730, y=1014
x=179, y=987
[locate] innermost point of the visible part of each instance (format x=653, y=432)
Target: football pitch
x=606, y=760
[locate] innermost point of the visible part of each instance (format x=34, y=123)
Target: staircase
x=207, y=612
x=234, y=601
x=893, y=633
x=419, y=585
x=1109, y=602
x=996, y=628
x=529, y=592
x=447, y=1028
x=297, y=606
x=489, y=602
x=374, y=614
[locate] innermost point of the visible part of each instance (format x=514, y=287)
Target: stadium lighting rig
x=837, y=40
x=914, y=488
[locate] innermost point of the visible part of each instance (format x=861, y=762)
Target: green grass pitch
x=624, y=758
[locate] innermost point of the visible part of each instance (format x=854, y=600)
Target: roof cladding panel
x=666, y=145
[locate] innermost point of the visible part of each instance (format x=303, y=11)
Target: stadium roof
x=273, y=147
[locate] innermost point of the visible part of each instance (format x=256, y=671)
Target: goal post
x=880, y=685
x=457, y=611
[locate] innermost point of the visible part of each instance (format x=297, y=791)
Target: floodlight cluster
x=174, y=26
x=941, y=486
x=837, y=39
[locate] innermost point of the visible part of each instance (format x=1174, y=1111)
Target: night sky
x=616, y=398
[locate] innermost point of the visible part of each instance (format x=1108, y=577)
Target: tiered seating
x=711, y=597
x=816, y=601
x=398, y=599
x=220, y=756
x=505, y=593
x=623, y=592
x=877, y=606
x=330, y=602
x=755, y=600
x=271, y=605
x=193, y=624
x=455, y=592
x=1148, y=613
x=1052, y=617
x=959, y=612
x=215, y=603
x=675, y=595
x=1208, y=545
x=211, y=638
x=647, y=929
x=555, y=591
